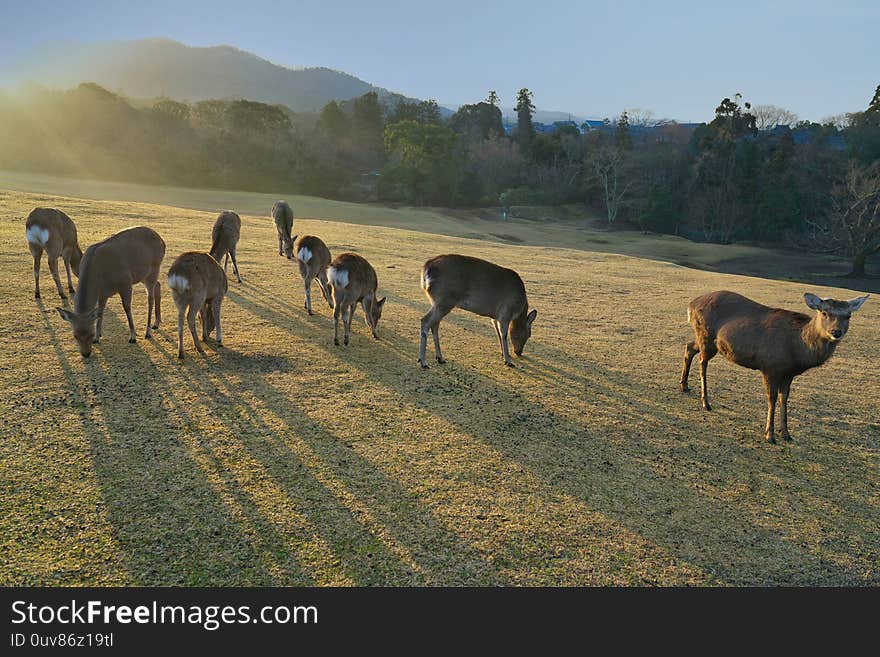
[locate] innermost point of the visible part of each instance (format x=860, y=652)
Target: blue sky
x=587, y=57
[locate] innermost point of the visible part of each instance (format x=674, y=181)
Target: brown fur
x=456, y=281
x=224, y=240
x=779, y=343
x=315, y=268
x=202, y=294
x=361, y=288
x=131, y=256
x=282, y=215
x=62, y=243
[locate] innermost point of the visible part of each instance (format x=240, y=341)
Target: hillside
x=281, y=459
x=152, y=68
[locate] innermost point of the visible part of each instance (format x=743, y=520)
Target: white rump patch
x=426, y=281
x=37, y=235
x=338, y=277
x=304, y=255
x=178, y=282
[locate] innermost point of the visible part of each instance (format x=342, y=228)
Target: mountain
x=152, y=68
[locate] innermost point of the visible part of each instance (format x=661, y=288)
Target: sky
x=589, y=58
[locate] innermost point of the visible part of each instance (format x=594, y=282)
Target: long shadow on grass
x=597, y=466
x=165, y=514
x=379, y=531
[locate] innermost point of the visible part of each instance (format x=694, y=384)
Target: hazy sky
x=587, y=57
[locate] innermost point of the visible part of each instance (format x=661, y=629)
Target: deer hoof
x=63, y=297
x=155, y=326
x=71, y=290
x=770, y=438
x=685, y=388
x=509, y=363
x=787, y=438
x=707, y=406
x=311, y=313
x=424, y=366
x=132, y=341
x=345, y=342
x=440, y=360
x=336, y=342
x=180, y=355
x=148, y=336
x=36, y=295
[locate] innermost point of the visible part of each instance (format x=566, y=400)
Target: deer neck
x=818, y=346
x=86, y=297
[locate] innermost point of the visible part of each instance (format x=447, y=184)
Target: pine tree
x=493, y=98
x=622, y=137
x=525, y=131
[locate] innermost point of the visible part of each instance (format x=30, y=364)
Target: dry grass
x=281, y=459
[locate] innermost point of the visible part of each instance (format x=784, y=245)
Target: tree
x=423, y=167
x=426, y=111
x=334, y=121
x=493, y=99
x=622, y=137
x=525, y=131
x=608, y=166
x=172, y=108
x=477, y=122
x=498, y=163
x=368, y=128
x=768, y=117
x=852, y=226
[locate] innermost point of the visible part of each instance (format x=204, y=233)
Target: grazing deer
x=484, y=288
x=282, y=214
x=779, y=343
x=313, y=257
x=224, y=239
x=52, y=231
x=111, y=267
x=198, y=285
x=352, y=279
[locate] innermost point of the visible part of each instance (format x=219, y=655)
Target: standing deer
x=352, y=280
x=52, y=231
x=198, y=285
x=224, y=239
x=111, y=267
x=484, y=288
x=779, y=343
x=313, y=257
x=282, y=214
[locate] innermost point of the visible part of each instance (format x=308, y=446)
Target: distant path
x=482, y=224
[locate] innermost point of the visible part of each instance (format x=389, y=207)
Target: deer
x=53, y=232
x=224, y=239
x=779, y=343
x=353, y=280
x=481, y=287
x=110, y=267
x=313, y=257
x=198, y=284
x=282, y=215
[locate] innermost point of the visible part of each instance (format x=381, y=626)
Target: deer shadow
x=604, y=466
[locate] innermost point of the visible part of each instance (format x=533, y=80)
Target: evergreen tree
x=525, y=131
x=493, y=98
x=622, y=137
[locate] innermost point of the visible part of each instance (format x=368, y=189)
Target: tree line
x=752, y=173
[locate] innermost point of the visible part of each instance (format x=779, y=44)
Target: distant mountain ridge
x=152, y=68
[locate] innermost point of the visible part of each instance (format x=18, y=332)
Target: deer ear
x=293, y=239
x=96, y=311
x=813, y=301
x=381, y=302
x=531, y=316
x=66, y=315
x=855, y=304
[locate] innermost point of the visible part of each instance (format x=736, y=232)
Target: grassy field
x=281, y=459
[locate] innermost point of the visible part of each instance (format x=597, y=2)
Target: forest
x=753, y=173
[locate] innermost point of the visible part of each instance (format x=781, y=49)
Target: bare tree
x=644, y=118
x=608, y=166
x=839, y=121
x=768, y=117
x=852, y=226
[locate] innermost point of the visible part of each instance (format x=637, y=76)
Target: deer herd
x=779, y=343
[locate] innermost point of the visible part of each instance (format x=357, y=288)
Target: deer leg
x=53, y=267
x=772, y=388
x=279, y=244
x=308, y=284
x=431, y=321
x=125, y=295
x=325, y=290
x=336, y=312
x=38, y=255
x=215, y=308
x=690, y=350
x=157, y=295
x=181, y=311
x=347, y=320
x=368, y=316
x=66, y=258
x=226, y=263
x=204, y=316
x=707, y=351
x=99, y=329
x=503, y=327
x=151, y=292
x=784, y=389
x=194, y=309
x=498, y=333
x=234, y=264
